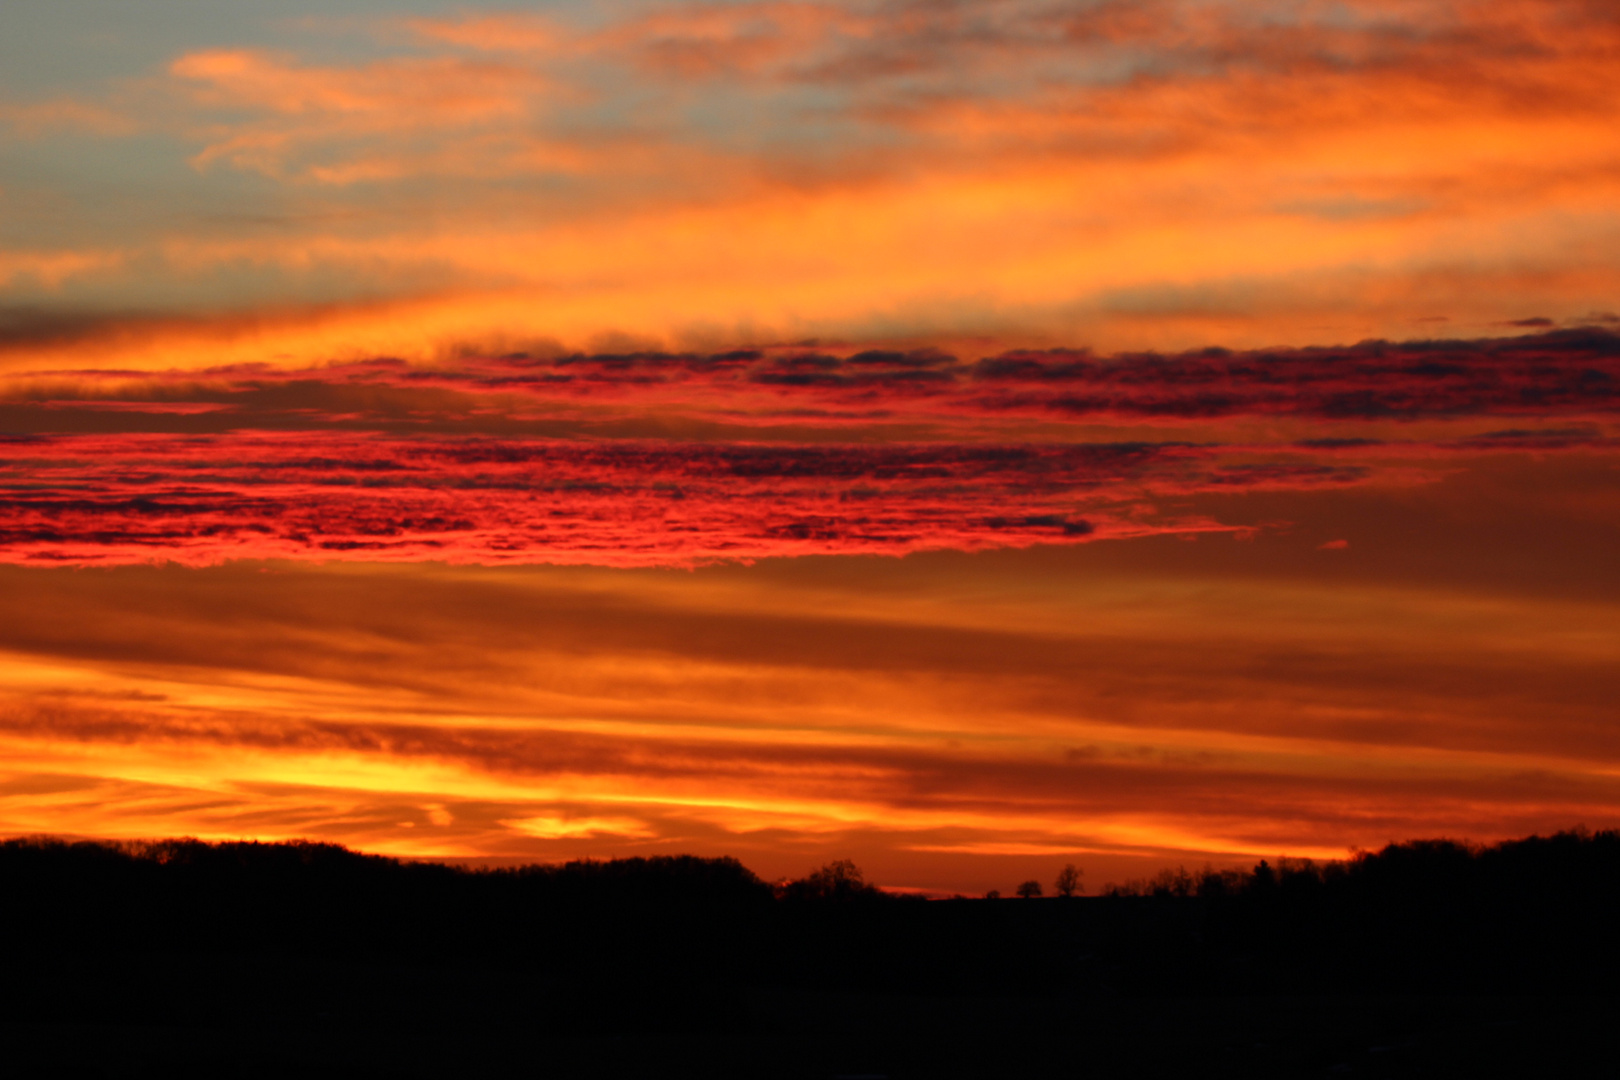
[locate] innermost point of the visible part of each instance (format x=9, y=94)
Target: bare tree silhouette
x=1068, y=881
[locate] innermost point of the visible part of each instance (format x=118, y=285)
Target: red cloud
x=517, y=459
x=128, y=498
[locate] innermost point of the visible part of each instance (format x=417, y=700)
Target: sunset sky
x=962, y=437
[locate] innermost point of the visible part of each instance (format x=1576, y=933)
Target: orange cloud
x=313, y=109
x=52, y=268
x=681, y=41
x=37, y=118
x=1120, y=177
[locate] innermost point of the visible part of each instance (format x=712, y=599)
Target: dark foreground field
x=186, y=959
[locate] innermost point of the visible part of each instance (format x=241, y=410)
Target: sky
x=965, y=438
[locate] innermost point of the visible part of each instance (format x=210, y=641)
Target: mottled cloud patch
x=676, y=459
x=135, y=498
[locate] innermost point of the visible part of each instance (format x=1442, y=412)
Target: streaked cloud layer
x=963, y=436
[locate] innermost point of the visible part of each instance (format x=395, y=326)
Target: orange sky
x=730, y=428
x=1160, y=174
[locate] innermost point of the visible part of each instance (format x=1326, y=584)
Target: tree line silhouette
x=1527, y=916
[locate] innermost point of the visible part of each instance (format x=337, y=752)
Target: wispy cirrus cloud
x=51, y=268
x=801, y=708
x=1085, y=82
x=390, y=119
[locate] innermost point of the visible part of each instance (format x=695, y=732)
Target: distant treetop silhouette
x=838, y=881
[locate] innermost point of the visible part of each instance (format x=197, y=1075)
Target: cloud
x=1571, y=373
x=786, y=450
x=565, y=786
x=512, y=92
x=1577, y=370
x=866, y=169
x=200, y=500
x=36, y=118
x=1155, y=697
x=552, y=827
x=50, y=269
x=386, y=120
